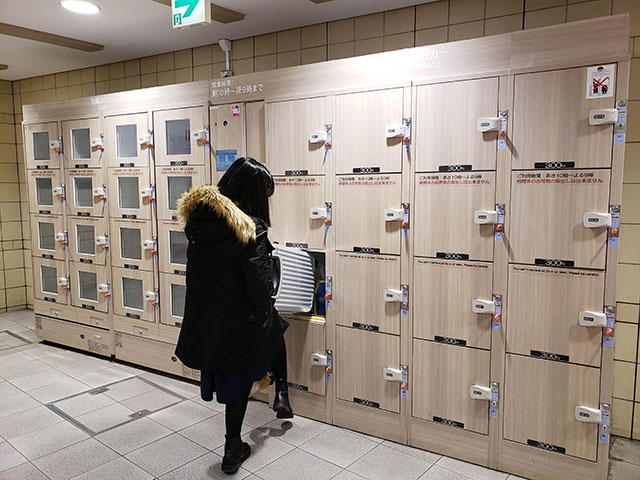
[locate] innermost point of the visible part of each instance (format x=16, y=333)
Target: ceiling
x=137, y=28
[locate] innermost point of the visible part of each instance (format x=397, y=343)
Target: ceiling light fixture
x=80, y=6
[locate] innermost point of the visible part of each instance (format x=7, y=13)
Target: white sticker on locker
x=600, y=81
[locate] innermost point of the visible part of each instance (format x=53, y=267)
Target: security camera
x=225, y=44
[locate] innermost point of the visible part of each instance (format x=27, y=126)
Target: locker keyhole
x=225, y=123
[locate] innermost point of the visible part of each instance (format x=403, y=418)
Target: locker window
x=46, y=236
x=178, y=247
x=44, y=191
x=80, y=143
x=177, y=186
x=88, y=282
x=85, y=239
x=179, y=137
x=178, y=294
x=128, y=195
x=130, y=243
x=83, y=189
x=40, y=146
x=126, y=141
x=132, y=296
x=49, y=277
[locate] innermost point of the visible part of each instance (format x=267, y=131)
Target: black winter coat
x=229, y=322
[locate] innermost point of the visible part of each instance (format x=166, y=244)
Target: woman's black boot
x=235, y=452
x=281, y=404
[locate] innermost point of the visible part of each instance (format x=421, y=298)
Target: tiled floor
x=67, y=415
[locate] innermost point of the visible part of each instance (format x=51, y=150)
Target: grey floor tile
x=131, y=387
x=9, y=457
x=40, y=379
x=118, y=469
x=299, y=465
x=75, y=460
x=107, y=417
x=264, y=450
x=182, y=415
x=184, y=389
x=104, y=377
x=26, y=471
x=622, y=449
x=48, y=440
x=41, y=351
x=213, y=405
x=130, y=368
x=439, y=473
x=28, y=421
x=82, y=404
x=152, y=401
x=166, y=454
x=85, y=366
x=470, y=470
x=258, y=414
x=513, y=477
x=428, y=457
x=59, y=360
x=134, y=435
x=65, y=389
x=347, y=475
x=623, y=471
x=383, y=462
x=23, y=369
x=12, y=359
x=206, y=467
x=339, y=446
x=295, y=431
x=16, y=404
x=210, y=432
x=7, y=390
x=369, y=437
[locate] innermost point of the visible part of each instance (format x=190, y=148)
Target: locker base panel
x=75, y=335
x=144, y=329
x=72, y=314
x=304, y=404
x=371, y=421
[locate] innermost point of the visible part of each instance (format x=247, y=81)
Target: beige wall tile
x=369, y=46
x=628, y=283
x=17, y=103
x=498, y=8
x=496, y=26
x=341, y=31
x=14, y=278
x=265, y=44
x=116, y=85
x=88, y=75
x=102, y=87
x=6, y=103
x=629, y=244
x=6, y=87
x=626, y=342
x=240, y=67
x=219, y=67
x=634, y=79
x=116, y=70
x=621, y=417
x=184, y=75
x=149, y=80
x=341, y=50
x=61, y=79
x=624, y=374
x=630, y=213
x=633, y=122
x=399, y=41
x=8, y=174
x=431, y=36
x=636, y=47
x=543, y=18
x=132, y=68
x=9, y=193
x=36, y=83
x=148, y=65
x=183, y=58
x=369, y=26
x=633, y=8
x=165, y=62
x=314, y=35
x=75, y=91
x=16, y=296
x=218, y=54
x=399, y=21
x=266, y=62
x=203, y=72
x=25, y=85
x=288, y=40
x=432, y=14
x=7, y=134
x=461, y=11
x=3, y=300
x=74, y=77
x=632, y=163
x=166, y=78
x=132, y=83
x=7, y=155
x=49, y=81
x=202, y=55
x=628, y=313
x=314, y=55
x=102, y=73
x=583, y=11
x=49, y=95
x=289, y=59
x=88, y=89
x=242, y=48
x=13, y=259
x=537, y=4
x=463, y=31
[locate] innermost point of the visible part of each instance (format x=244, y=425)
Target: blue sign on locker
x=224, y=159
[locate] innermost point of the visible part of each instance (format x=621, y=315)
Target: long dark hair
x=250, y=184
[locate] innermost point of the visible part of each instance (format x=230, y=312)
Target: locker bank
x=453, y=223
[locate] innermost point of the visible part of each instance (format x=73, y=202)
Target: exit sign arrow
x=191, y=4
x=187, y=13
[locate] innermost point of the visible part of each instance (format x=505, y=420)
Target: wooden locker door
x=129, y=193
x=47, y=274
x=359, y=213
x=442, y=301
x=40, y=143
x=360, y=360
x=446, y=132
x=442, y=377
x=304, y=338
x=227, y=136
x=89, y=284
x=82, y=144
x=46, y=234
x=173, y=290
x=82, y=199
x=543, y=308
x=359, y=131
x=87, y=237
x=546, y=220
x=126, y=140
x=551, y=121
x=256, y=131
x=42, y=199
x=540, y=397
x=131, y=244
x=171, y=182
x=172, y=246
x=132, y=294
x=291, y=204
x=443, y=215
x=359, y=291
x=289, y=125
x=174, y=142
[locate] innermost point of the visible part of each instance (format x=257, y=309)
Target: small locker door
x=290, y=147
x=42, y=146
x=446, y=294
x=86, y=192
x=551, y=121
x=133, y=245
x=367, y=293
x=88, y=239
x=305, y=341
x=48, y=236
x=131, y=193
x=46, y=192
x=171, y=183
x=180, y=137
x=548, y=215
x=360, y=220
x=172, y=244
x=540, y=399
x=442, y=378
x=256, y=131
x=360, y=361
x=51, y=282
x=544, y=311
x=127, y=140
x=227, y=136
x=299, y=212
x=446, y=128
x=173, y=290
x=444, y=215
x=82, y=144
x=361, y=138
x=90, y=287
x=134, y=295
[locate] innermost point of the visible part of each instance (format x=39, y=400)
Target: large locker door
x=42, y=145
x=360, y=360
x=295, y=223
x=360, y=131
x=540, y=397
x=256, y=131
x=86, y=192
x=551, y=121
x=134, y=294
x=443, y=215
x=175, y=142
x=443, y=301
x=544, y=306
x=367, y=292
x=546, y=224
x=82, y=144
x=89, y=287
x=172, y=245
x=127, y=140
x=305, y=338
x=130, y=192
x=227, y=136
x=173, y=291
x=289, y=127
x=88, y=239
x=51, y=283
x=46, y=192
x=442, y=378
x=446, y=130
x=359, y=215
x=133, y=245
x=48, y=238
x=171, y=183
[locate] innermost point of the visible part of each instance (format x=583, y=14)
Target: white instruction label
x=600, y=81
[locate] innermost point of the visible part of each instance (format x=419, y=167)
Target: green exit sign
x=187, y=13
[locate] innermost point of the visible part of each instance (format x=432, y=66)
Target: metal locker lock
x=391, y=295
x=54, y=145
x=394, y=130
x=150, y=296
x=145, y=140
x=593, y=319
x=317, y=213
x=148, y=244
x=96, y=142
x=588, y=414
x=319, y=359
x=603, y=116
x=61, y=237
x=318, y=136
x=103, y=288
x=101, y=240
x=595, y=220
x=393, y=214
x=199, y=135
x=99, y=192
x=484, y=217
x=393, y=374
x=488, y=124
x=59, y=191
x=479, y=305
x=146, y=192
x=478, y=392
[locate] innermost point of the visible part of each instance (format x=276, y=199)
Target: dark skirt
x=230, y=387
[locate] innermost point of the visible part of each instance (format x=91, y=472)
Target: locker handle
x=588, y=414
x=393, y=214
x=55, y=145
x=318, y=136
x=603, y=116
x=200, y=136
x=484, y=217
x=394, y=130
x=592, y=319
x=101, y=241
x=488, y=124
x=478, y=392
x=317, y=213
x=319, y=359
x=479, y=305
x=392, y=374
x=391, y=295
x=596, y=220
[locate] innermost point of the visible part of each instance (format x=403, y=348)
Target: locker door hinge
x=609, y=330
x=496, y=323
x=502, y=133
x=328, y=291
x=620, y=126
x=614, y=229
x=328, y=370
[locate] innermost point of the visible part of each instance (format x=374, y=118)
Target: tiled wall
x=445, y=20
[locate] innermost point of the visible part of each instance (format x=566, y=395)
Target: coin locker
x=368, y=132
x=42, y=146
x=306, y=355
x=444, y=219
x=88, y=239
x=548, y=223
x=227, y=136
x=296, y=137
x=128, y=140
x=171, y=183
x=86, y=192
x=368, y=216
x=451, y=385
x=457, y=126
x=132, y=244
x=547, y=309
x=551, y=122
x=361, y=361
x=49, y=238
x=172, y=244
x=540, y=400
x=173, y=292
x=367, y=293
x=181, y=137
x=131, y=192
x=51, y=281
x=453, y=301
x=90, y=288
x=46, y=192
x=83, y=144
x=302, y=212
x=134, y=294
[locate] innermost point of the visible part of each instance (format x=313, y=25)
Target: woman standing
x=231, y=331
